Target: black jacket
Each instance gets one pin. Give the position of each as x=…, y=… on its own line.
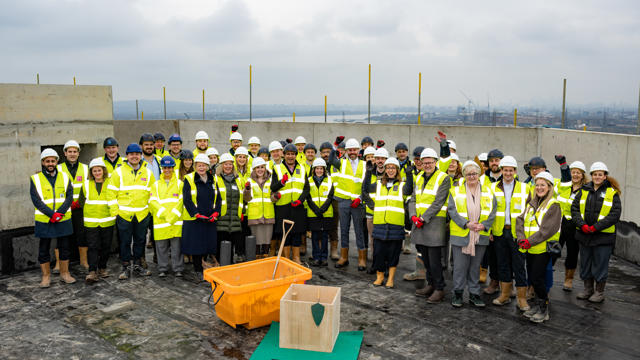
x=593, y=205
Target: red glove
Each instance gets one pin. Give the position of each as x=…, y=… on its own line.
x=241, y=217
x=416, y=220
x=296, y=203
x=592, y=229
x=56, y=217
x=524, y=244
x=234, y=128
x=379, y=144
x=202, y=217
x=339, y=139
x=355, y=203
x=214, y=217
x=277, y=195
x=289, y=140
x=585, y=229
x=75, y=205
x=247, y=185
x=285, y=177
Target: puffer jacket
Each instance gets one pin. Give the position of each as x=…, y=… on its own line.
x=591, y=213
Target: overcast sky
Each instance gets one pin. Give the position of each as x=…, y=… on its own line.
x=510, y=52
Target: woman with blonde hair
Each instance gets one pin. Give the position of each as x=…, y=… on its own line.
x=260, y=211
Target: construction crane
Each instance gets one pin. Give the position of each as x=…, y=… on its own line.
x=470, y=102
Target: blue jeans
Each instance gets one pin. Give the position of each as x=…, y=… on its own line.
x=594, y=262
x=132, y=231
x=319, y=243
x=346, y=214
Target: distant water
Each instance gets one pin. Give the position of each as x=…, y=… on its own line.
x=313, y=118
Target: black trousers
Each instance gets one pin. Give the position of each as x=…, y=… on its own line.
x=99, y=241
x=44, y=249
x=490, y=261
x=197, y=263
x=537, y=270
x=568, y=237
x=294, y=239
x=235, y=238
x=79, y=236
x=431, y=257
x=386, y=254
x=510, y=260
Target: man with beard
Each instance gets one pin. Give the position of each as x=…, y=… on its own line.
x=325, y=152
x=202, y=143
x=152, y=161
x=493, y=174
x=175, y=147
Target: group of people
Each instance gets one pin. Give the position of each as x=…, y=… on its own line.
x=476, y=216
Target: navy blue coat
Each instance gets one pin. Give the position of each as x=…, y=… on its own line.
x=199, y=237
x=49, y=230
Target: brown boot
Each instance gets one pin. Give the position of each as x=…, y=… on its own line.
x=272, y=248
x=92, y=277
x=303, y=246
x=103, y=273
x=379, y=278
x=296, y=255
x=598, y=295
x=392, y=275
x=425, y=291
x=505, y=294
x=530, y=293
x=82, y=251
x=344, y=258
x=568, y=279
x=46, y=275
x=56, y=269
x=334, y=251
x=588, y=290
x=286, y=252
x=492, y=288
x=523, y=305
x=362, y=260
x=436, y=297
x=65, y=276
x=483, y=276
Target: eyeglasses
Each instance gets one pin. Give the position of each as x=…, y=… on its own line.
x=471, y=175
x=428, y=162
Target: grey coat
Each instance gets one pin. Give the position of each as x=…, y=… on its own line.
x=462, y=222
x=434, y=231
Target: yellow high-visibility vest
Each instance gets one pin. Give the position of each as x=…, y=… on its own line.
x=318, y=195
x=128, y=192
x=516, y=207
x=426, y=193
x=112, y=168
x=292, y=190
x=223, y=194
x=565, y=197
x=459, y=194
x=532, y=221
x=52, y=196
x=349, y=185
x=96, y=206
x=166, y=206
x=260, y=204
x=604, y=210
x=81, y=175
x=389, y=204
x=194, y=195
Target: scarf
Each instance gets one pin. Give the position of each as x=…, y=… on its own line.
x=473, y=212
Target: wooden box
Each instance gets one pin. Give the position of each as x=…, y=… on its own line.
x=298, y=329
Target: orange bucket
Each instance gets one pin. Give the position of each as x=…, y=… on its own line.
x=244, y=293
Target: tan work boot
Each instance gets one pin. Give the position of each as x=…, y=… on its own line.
x=531, y=293
x=103, y=273
x=483, y=276
x=272, y=248
x=46, y=275
x=334, y=251
x=82, y=251
x=588, y=290
x=568, y=279
x=362, y=260
x=523, y=305
x=65, y=276
x=436, y=297
x=56, y=269
x=92, y=277
x=492, y=288
x=379, y=278
x=303, y=246
x=286, y=252
x=296, y=255
x=392, y=275
x=598, y=295
x=344, y=258
x=419, y=274
x=505, y=294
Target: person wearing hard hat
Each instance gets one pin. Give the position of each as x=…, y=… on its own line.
x=213, y=155
x=52, y=193
x=186, y=164
x=77, y=173
x=112, y=159
x=320, y=211
x=537, y=232
x=325, y=152
x=402, y=155
x=300, y=143
x=263, y=152
x=242, y=163
x=391, y=192
x=159, y=140
x=166, y=206
x=128, y=194
x=236, y=141
x=254, y=146
x=260, y=208
x=368, y=154
x=472, y=209
x=379, y=158
x=595, y=212
x=202, y=207
x=175, y=147
x=348, y=190
x=98, y=222
x=366, y=142
x=276, y=152
x=455, y=169
x=489, y=264
x=511, y=196
x=452, y=146
x=428, y=215
x=202, y=143
x=290, y=187
x=566, y=193
x=229, y=225
x=481, y=159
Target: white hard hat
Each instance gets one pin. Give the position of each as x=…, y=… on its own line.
x=455, y=156
x=545, y=175
x=225, y=157
x=508, y=161
x=352, y=144
x=428, y=153
x=71, y=143
x=96, y=162
x=275, y=145
x=392, y=161
x=258, y=162
x=254, y=140
x=319, y=162
x=202, y=135
x=598, y=166
x=381, y=152
x=235, y=136
x=48, y=152
x=201, y=158
x=578, y=165
x=452, y=144
x=241, y=150
x=212, y=151
x=470, y=163
x=483, y=156
x=369, y=151
x=300, y=140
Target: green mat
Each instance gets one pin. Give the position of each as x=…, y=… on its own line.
x=347, y=347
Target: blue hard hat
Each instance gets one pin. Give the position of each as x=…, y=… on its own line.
x=167, y=161
x=110, y=141
x=133, y=148
x=175, y=137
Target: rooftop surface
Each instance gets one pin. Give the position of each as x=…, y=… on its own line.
x=164, y=318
